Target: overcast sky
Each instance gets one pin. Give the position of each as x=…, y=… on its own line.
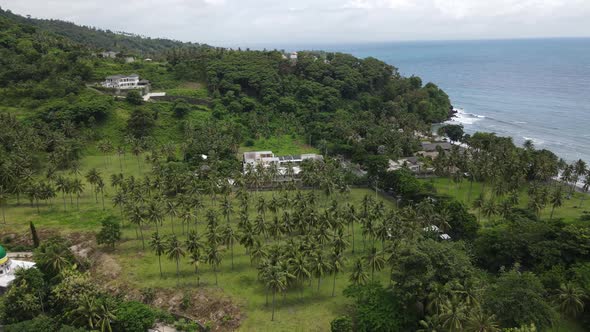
x=249, y=22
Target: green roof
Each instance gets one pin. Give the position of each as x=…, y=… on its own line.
x=2, y=252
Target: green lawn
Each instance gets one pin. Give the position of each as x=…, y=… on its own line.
x=280, y=146
x=311, y=311
x=570, y=211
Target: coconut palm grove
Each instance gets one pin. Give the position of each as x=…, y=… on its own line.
x=124, y=179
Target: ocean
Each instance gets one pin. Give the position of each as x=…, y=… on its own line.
x=537, y=89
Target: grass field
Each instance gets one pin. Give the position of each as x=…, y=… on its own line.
x=311, y=311
x=280, y=146
x=570, y=211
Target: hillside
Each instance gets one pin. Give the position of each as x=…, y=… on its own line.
x=98, y=39
x=140, y=212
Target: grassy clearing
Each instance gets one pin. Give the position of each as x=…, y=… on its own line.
x=188, y=92
x=570, y=211
x=280, y=145
x=305, y=309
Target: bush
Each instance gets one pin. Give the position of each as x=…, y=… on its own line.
x=38, y=324
x=180, y=108
x=134, y=317
x=134, y=98
x=341, y=324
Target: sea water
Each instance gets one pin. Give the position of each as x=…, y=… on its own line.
x=535, y=89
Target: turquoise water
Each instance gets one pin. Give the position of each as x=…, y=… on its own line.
x=527, y=89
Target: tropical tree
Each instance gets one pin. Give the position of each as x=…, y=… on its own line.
x=229, y=237
x=195, y=260
x=175, y=251
x=276, y=281
x=375, y=261
x=159, y=247
x=319, y=266
x=556, y=200
x=570, y=299
x=214, y=257
x=358, y=276
x=337, y=266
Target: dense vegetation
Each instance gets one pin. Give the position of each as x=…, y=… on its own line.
x=517, y=257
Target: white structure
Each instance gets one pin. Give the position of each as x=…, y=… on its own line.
x=109, y=54
x=267, y=158
x=8, y=267
x=412, y=163
x=125, y=82
x=129, y=59
x=293, y=56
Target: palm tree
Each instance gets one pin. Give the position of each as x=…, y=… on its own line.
x=214, y=258
x=478, y=204
x=175, y=252
x=195, y=260
x=489, y=208
x=556, y=200
x=585, y=188
x=570, y=299
x=105, y=315
x=375, y=261
x=337, y=265
x=299, y=268
x=61, y=184
x=78, y=189
x=154, y=213
x=229, y=237
x=276, y=281
x=453, y=314
x=87, y=312
x=479, y=321
x=258, y=252
x=136, y=217
x=358, y=276
x=171, y=209
x=226, y=208
x=319, y=266
x=159, y=247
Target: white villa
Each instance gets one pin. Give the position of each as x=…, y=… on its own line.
x=124, y=82
x=8, y=267
x=267, y=158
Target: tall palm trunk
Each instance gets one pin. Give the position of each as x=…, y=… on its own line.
x=160, y=264
x=177, y=272
x=215, y=270
x=319, y=281
x=142, y=240
x=334, y=285
x=232, y=253
x=63, y=195
x=273, y=306
x=353, y=236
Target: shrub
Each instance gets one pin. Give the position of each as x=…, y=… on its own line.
x=341, y=324
x=134, y=317
x=134, y=98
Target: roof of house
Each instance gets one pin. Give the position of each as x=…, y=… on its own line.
x=428, y=147
x=114, y=77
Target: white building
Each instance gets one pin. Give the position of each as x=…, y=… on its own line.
x=124, y=82
x=267, y=158
x=8, y=267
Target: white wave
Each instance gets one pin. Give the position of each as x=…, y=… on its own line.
x=465, y=118
x=535, y=141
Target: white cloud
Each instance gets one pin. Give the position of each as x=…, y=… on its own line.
x=320, y=21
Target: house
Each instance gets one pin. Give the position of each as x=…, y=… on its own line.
x=125, y=82
x=431, y=147
x=267, y=158
x=109, y=54
x=8, y=267
x=293, y=56
x=412, y=163
x=129, y=59
x=148, y=60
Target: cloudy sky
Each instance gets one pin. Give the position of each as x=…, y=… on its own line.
x=249, y=22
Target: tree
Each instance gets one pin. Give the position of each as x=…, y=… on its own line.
x=341, y=324
x=276, y=281
x=110, y=232
x=375, y=261
x=134, y=316
x=517, y=299
x=175, y=251
x=337, y=265
x=214, y=257
x=229, y=237
x=319, y=266
x=34, y=235
x=195, y=260
x=453, y=132
x=570, y=299
x=159, y=247
x=134, y=97
x=180, y=108
x=358, y=276
x=556, y=200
